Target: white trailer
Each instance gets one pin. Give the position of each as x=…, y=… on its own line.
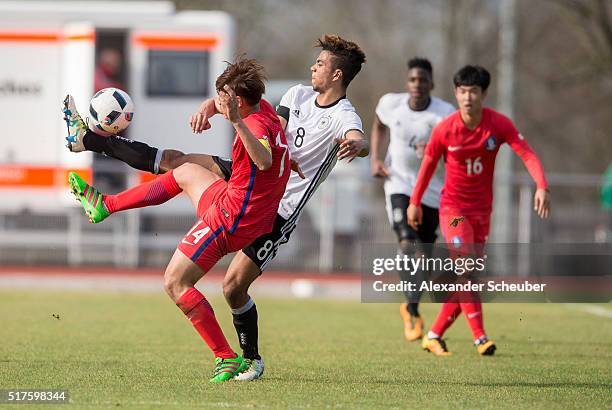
x=48, y=49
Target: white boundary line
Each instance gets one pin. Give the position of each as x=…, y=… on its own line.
x=591, y=309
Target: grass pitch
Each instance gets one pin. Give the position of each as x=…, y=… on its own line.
x=131, y=350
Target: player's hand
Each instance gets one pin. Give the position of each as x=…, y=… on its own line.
x=228, y=104
x=378, y=168
x=349, y=148
x=541, y=203
x=296, y=168
x=415, y=216
x=199, y=121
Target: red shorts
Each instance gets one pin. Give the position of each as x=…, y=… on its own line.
x=467, y=236
x=208, y=240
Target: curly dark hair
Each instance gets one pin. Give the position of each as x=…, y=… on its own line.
x=348, y=57
x=420, y=62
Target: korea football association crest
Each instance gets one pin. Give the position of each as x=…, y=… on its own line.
x=324, y=122
x=457, y=242
x=491, y=143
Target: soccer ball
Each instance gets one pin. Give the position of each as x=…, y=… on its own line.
x=110, y=112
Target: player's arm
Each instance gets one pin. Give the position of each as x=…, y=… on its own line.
x=258, y=149
x=379, y=140
x=433, y=152
x=282, y=109
x=353, y=145
x=283, y=115
x=541, y=200
x=283, y=122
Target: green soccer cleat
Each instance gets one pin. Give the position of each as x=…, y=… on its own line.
x=76, y=126
x=226, y=369
x=90, y=198
x=254, y=370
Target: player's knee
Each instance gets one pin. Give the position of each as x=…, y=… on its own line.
x=230, y=290
x=171, y=159
x=184, y=173
x=173, y=285
x=169, y=287
x=234, y=291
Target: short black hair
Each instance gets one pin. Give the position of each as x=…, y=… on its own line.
x=348, y=57
x=472, y=75
x=420, y=62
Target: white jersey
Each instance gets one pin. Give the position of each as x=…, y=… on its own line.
x=310, y=133
x=407, y=128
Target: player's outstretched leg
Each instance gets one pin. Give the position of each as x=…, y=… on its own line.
x=91, y=199
x=98, y=206
x=76, y=126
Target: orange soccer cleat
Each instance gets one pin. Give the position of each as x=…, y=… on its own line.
x=413, y=325
x=436, y=346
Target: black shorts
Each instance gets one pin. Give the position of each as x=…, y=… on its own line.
x=226, y=166
x=426, y=232
x=263, y=249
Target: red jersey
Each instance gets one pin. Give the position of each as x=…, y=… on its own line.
x=469, y=157
x=251, y=201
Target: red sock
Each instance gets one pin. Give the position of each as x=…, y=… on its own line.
x=154, y=192
x=448, y=313
x=473, y=315
x=195, y=306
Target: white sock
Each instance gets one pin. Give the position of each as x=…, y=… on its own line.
x=248, y=305
x=481, y=340
x=432, y=335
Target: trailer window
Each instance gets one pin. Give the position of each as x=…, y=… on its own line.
x=177, y=73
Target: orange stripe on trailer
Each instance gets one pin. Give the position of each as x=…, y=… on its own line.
x=167, y=42
x=80, y=37
x=29, y=37
x=43, y=37
x=18, y=176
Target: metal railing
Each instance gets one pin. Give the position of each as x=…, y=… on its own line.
x=337, y=221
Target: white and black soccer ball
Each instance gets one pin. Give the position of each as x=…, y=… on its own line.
x=111, y=110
